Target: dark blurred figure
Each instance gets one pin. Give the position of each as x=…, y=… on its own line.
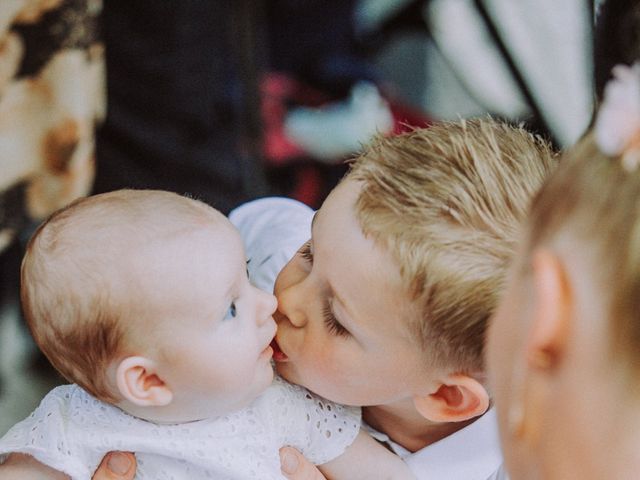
x=183, y=99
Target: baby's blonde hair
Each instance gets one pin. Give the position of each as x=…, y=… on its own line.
x=594, y=200
x=73, y=278
x=447, y=202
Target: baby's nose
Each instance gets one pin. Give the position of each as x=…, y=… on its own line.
x=267, y=304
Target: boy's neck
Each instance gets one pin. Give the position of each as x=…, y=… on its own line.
x=406, y=427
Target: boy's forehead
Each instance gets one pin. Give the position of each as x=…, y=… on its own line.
x=341, y=200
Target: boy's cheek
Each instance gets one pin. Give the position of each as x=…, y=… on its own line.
x=309, y=363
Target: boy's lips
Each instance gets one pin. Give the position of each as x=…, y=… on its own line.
x=278, y=355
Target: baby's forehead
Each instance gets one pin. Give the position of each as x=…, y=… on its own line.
x=108, y=240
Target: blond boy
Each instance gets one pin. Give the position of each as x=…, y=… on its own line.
x=142, y=299
x=386, y=305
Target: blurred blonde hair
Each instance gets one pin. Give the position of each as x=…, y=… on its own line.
x=447, y=202
x=74, y=290
x=596, y=201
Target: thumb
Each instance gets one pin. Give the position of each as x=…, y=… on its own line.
x=295, y=467
x=116, y=466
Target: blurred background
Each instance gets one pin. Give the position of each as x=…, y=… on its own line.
x=230, y=101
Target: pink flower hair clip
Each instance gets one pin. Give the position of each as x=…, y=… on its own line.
x=617, y=128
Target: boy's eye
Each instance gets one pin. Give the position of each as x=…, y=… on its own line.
x=332, y=323
x=232, y=311
x=305, y=252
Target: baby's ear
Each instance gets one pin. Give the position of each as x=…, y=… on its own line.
x=458, y=398
x=139, y=383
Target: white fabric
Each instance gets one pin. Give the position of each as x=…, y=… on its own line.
x=272, y=230
x=472, y=453
x=71, y=431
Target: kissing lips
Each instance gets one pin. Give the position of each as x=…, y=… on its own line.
x=278, y=355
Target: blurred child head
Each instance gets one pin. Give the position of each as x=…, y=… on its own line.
x=142, y=298
x=563, y=348
x=405, y=263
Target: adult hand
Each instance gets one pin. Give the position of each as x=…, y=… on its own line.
x=295, y=467
x=24, y=467
x=116, y=466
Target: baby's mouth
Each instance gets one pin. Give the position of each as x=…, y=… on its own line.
x=278, y=355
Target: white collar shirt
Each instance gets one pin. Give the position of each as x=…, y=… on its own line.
x=472, y=453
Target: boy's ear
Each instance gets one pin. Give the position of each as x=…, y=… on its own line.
x=458, y=398
x=551, y=317
x=139, y=383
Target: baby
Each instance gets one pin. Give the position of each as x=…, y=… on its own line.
x=141, y=298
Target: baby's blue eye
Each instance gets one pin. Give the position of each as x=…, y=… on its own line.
x=231, y=311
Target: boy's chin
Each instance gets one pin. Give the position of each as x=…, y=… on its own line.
x=287, y=371
x=282, y=370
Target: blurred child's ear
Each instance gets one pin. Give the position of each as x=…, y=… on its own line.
x=139, y=383
x=552, y=311
x=458, y=398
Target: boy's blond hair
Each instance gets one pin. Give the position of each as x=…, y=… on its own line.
x=74, y=290
x=447, y=202
x=596, y=202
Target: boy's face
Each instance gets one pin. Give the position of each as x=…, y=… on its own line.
x=343, y=317
x=210, y=328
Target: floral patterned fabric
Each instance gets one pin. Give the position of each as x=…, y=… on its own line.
x=52, y=93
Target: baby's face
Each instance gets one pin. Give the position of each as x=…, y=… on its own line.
x=209, y=328
x=343, y=314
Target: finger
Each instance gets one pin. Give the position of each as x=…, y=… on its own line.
x=116, y=466
x=25, y=467
x=295, y=467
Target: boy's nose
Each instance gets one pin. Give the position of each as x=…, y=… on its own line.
x=290, y=308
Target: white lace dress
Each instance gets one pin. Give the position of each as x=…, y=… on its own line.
x=71, y=431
